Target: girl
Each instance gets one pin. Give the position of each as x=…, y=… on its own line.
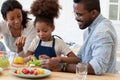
x=44, y=45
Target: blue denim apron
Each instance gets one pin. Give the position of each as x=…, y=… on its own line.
x=49, y=51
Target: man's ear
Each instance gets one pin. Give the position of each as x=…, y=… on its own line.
x=94, y=13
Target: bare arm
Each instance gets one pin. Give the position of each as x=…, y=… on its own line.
x=28, y=56
x=29, y=53
x=72, y=58
x=55, y=65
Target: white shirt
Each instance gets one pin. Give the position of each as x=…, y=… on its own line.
x=60, y=46
x=29, y=31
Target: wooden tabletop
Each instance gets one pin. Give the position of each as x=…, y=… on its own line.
x=5, y=75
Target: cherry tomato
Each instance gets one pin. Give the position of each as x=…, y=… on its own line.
x=31, y=71
x=25, y=71
x=35, y=72
x=15, y=71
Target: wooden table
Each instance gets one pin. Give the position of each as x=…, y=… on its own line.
x=5, y=75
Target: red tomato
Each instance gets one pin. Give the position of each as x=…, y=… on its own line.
x=35, y=72
x=31, y=71
x=25, y=71
x=15, y=71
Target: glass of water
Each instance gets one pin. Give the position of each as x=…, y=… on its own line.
x=81, y=71
x=10, y=56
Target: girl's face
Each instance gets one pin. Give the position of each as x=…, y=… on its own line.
x=44, y=31
x=14, y=18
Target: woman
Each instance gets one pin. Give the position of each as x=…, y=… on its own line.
x=15, y=25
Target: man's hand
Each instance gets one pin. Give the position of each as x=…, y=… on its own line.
x=52, y=64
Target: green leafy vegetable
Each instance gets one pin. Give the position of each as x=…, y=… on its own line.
x=34, y=62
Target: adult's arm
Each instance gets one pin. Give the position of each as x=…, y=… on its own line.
x=102, y=52
x=30, y=35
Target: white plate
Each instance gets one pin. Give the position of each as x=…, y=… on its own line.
x=47, y=73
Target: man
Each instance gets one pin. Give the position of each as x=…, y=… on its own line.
x=100, y=40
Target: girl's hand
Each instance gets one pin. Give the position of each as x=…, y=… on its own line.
x=28, y=58
x=44, y=57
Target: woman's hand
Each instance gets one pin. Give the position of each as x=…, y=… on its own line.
x=20, y=41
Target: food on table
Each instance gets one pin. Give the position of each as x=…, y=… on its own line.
x=31, y=71
x=3, y=62
x=24, y=36
x=18, y=60
x=25, y=71
x=17, y=71
x=34, y=62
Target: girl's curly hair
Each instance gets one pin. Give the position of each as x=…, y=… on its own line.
x=45, y=8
